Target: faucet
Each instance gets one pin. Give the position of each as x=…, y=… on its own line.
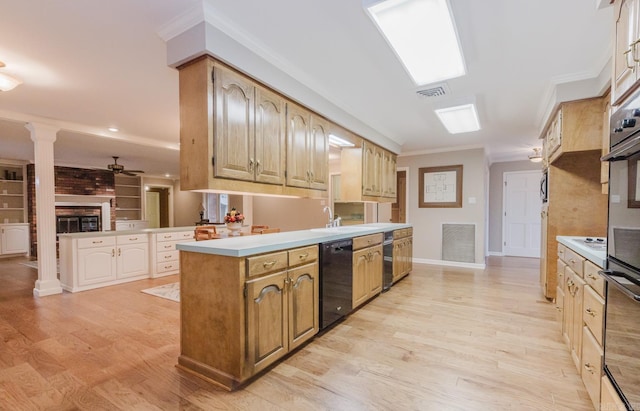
x=331, y=222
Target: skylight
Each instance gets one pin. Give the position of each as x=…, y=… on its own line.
x=423, y=35
x=459, y=119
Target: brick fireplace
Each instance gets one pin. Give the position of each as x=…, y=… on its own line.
x=79, y=192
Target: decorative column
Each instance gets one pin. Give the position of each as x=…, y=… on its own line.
x=43, y=137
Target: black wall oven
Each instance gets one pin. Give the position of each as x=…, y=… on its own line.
x=622, y=318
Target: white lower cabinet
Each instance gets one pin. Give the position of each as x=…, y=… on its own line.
x=14, y=239
x=132, y=256
x=165, y=256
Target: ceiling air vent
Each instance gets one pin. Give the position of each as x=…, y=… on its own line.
x=436, y=90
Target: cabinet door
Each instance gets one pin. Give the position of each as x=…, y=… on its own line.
x=591, y=366
x=560, y=308
x=389, y=179
x=298, y=130
x=15, y=240
x=625, y=49
x=133, y=260
x=544, y=220
x=319, y=153
x=267, y=320
x=96, y=265
x=234, y=125
x=408, y=255
x=270, y=137
x=375, y=270
x=578, y=298
x=360, y=283
x=304, y=295
x=567, y=315
x=398, y=259
x=371, y=169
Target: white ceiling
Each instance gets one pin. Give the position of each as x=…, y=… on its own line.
x=89, y=65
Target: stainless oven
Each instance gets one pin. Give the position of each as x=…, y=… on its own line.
x=622, y=318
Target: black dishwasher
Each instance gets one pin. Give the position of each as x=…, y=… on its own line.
x=336, y=281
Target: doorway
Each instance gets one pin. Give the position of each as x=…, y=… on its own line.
x=521, y=223
x=157, y=206
x=399, y=208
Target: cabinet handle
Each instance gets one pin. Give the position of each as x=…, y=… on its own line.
x=592, y=276
x=250, y=164
x=167, y=256
x=268, y=264
x=113, y=252
x=168, y=246
x=258, y=166
x=633, y=48
x=168, y=266
x=303, y=256
x=119, y=252
x=589, y=367
x=572, y=261
x=133, y=238
x=93, y=242
x=590, y=312
x=558, y=308
x=167, y=236
x=626, y=59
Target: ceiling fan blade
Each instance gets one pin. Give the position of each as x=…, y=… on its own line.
x=135, y=171
x=128, y=173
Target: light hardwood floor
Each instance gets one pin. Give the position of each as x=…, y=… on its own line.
x=441, y=339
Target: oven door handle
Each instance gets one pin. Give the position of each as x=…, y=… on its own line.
x=625, y=150
x=610, y=275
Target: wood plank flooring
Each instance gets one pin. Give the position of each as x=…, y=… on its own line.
x=442, y=339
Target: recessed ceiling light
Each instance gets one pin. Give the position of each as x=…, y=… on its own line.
x=167, y=175
x=113, y=129
x=459, y=119
x=423, y=35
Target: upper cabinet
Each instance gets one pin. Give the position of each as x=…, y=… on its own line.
x=368, y=173
x=576, y=126
x=307, y=149
x=249, y=129
x=626, y=61
x=233, y=134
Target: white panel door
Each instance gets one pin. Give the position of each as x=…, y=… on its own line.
x=521, y=214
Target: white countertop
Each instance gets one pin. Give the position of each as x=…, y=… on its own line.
x=243, y=246
x=90, y=234
x=597, y=255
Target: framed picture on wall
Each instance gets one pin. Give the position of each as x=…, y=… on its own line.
x=440, y=187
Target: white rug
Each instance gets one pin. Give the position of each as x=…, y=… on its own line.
x=169, y=291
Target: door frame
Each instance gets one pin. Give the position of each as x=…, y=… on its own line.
x=406, y=192
x=504, y=203
x=170, y=190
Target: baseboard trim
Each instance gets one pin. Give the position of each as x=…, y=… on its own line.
x=496, y=253
x=450, y=263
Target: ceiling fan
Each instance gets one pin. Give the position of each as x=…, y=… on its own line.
x=119, y=168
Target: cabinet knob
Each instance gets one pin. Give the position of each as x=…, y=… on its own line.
x=590, y=312
x=303, y=256
x=589, y=367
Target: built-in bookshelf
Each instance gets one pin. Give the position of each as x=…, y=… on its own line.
x=128, y=197
x=12, y=194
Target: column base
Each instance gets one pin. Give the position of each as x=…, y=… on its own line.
x=44, y=288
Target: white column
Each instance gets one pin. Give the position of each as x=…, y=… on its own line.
x=43, y=137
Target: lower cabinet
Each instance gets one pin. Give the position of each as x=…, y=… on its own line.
x=14, y=239
x=367, y=268
x=165, y=258
x=609, y=398
x=402, y=253
x=282, y=313
x=247, y=312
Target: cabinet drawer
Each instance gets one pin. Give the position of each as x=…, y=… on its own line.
x=593, y=313
x=168, y=256
x=367, y=241
x=185, y=235
x=303, y=255
x=574, y=260
x=132, y=239
x=591, y=366
x=592, y=277
x=170, y=236
x=166, y=266
x=166, y=245
x=96, y=242
x=560, y=271
x=561, y=250
x=267, y=263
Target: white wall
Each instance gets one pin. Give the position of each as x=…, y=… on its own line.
x=427, y=222
x=186, y=206
x=289, y=214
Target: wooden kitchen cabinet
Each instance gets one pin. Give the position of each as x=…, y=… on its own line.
x=402, y=253
x=591, y=366
x=371, y=173
x=259, y=308
x=249, y=129
x=367, y=268
x=626, y=52
x=609, y=398
x=307, y=149
x=233, y=136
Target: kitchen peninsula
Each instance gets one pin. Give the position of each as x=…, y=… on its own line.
x=245, y=302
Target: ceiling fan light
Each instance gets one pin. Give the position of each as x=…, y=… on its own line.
x=8, y=83
x=536, y=157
